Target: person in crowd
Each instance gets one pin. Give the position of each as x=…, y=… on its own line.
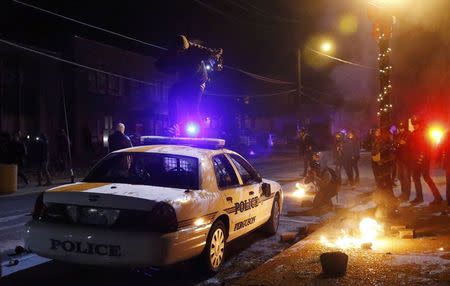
x=446, y=164
x=19, y=154
x=118, y=140
x=326, y=181
x=353, y=155
x=338, y=154
x=42, y=157
x=401, y=141
x=376, y=156
x=420, y=153
x=305, y=149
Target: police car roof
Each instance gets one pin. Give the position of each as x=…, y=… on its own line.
x=192, y=147
x=205, y=143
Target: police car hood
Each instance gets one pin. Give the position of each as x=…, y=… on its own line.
x=112, y=195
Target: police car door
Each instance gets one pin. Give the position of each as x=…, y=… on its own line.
x=232, y=194
x=257, y=209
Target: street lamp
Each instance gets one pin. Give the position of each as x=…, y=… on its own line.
x=326, y=47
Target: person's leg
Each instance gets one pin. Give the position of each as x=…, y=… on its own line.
x=338, y=171
x=305, y=164
x=21, y=175
x=447, y=175
x=427, y=178
x=349, y=171
x=355, y=169
x=401, y=172
x=416, y=172
x=39, y=173
x=46, y=173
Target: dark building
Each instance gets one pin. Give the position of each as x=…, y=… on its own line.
x=30, y=92
x=100, y=100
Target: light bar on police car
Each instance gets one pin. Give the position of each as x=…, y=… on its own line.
x=208, y=143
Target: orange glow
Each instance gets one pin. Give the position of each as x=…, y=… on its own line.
x=369, y=232
x=436, y=133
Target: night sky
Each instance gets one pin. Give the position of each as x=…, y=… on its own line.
x=262, y=37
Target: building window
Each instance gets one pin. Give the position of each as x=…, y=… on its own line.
x=101, y=83
x=114, y=85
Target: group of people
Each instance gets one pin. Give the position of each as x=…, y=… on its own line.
x=33, y=151
x=409, y=155
x=346, y=154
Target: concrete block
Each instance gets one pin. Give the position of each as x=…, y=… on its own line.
x=288, y=236
x=407, y=233
x=397, y=227
x=303, y=230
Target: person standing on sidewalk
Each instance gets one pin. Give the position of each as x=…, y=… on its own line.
x=118, y=140
x=42, y=160
x=401, y=141
x=305, y=149
x=420, y=153
x=446, y=164
x=20, y=152
x=339, y=155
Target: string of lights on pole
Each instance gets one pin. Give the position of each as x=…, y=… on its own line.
x=385, y=105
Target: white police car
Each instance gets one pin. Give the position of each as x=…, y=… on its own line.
x=155, y=205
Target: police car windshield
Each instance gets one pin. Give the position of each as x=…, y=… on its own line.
x=154, y=169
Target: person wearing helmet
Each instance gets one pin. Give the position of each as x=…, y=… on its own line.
x=420, y=162
x=401, y=141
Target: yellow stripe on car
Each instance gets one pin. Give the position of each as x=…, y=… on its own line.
x=78, y=187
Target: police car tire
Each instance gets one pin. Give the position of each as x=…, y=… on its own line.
x=208, y=267
x=271, y=226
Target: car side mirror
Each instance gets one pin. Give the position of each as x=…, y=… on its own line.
x=266, y=189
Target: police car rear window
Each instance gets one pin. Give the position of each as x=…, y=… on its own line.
x=154, y=169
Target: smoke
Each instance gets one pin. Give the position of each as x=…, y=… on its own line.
x=420, y=60
x=358, y=86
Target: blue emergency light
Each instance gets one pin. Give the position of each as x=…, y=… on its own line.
x=206, y=143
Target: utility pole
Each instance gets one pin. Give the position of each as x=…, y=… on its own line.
x=299, y=76
x=382, y=28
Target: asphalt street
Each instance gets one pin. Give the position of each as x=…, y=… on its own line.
x=243, y=255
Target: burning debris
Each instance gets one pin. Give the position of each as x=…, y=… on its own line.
x=367, y=236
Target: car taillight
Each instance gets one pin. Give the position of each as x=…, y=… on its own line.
x=162, y=218
x=39, y=207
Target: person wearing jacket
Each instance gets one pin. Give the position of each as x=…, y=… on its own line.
x=402, y=143
x=118, y=140
x=420, y=153
x=446, y=165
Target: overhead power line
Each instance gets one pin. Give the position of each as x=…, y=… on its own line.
x=342, y=61
x=252, y=95
x=22, y=47
x=264, y=13
x=89, y=25
x=255, y=76
x=260, y=77
x=74, y=63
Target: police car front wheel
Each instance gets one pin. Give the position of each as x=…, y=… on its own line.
x=214, y=253
x=271, y=225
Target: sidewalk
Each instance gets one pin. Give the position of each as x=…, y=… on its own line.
x=32, y=187
x=424, y=260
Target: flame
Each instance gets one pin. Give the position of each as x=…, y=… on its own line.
x=369, y=231
x=300, y=191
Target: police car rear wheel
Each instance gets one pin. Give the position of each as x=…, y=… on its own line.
x=271, y=225
x=214, y=252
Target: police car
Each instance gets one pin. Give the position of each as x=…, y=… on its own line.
x=155, y=205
